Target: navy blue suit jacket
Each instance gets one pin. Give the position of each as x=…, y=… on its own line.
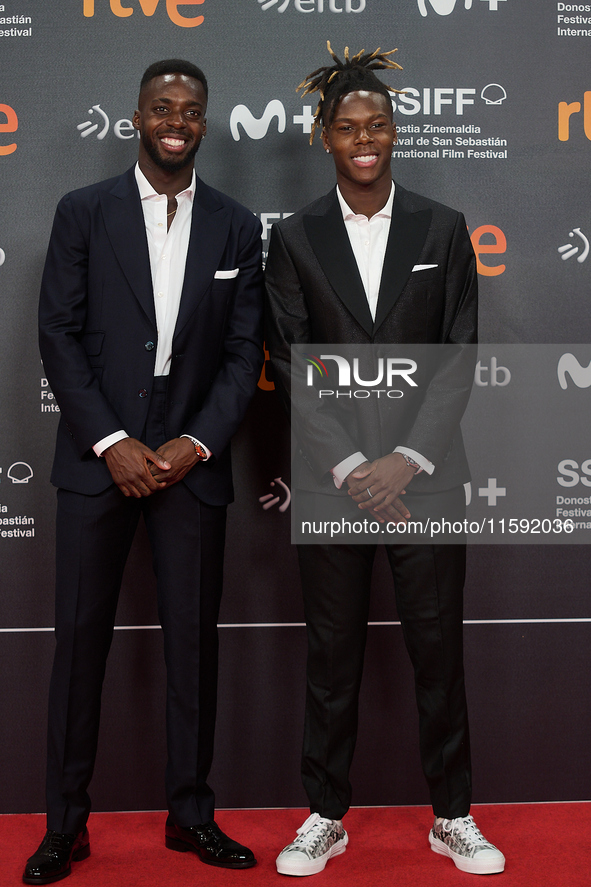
x=98, y=332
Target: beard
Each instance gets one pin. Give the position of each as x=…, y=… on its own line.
x=172, y=163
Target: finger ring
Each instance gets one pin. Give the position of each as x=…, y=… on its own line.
x=369, y=492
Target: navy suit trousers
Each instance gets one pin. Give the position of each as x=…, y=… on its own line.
x=94, y=535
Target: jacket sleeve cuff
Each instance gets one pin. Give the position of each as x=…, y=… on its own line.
x=341, y=471
x=107, y=442
x=200, y=443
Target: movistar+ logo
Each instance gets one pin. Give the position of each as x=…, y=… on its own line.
x=580, y=375
x=445, y=7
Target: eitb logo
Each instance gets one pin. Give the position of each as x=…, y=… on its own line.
x=307, y=6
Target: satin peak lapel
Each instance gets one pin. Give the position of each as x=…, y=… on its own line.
x=408, y=232
x=329, y=240
x=126, y=229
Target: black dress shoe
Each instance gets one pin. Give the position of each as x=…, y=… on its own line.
x=52, y=860
x=210, y=844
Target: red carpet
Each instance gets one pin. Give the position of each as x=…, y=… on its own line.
x=546, y=845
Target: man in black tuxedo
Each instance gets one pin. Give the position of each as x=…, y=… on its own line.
x=371, y=263
x=150, y=334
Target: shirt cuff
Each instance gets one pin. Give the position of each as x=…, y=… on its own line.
x=341, y=471
x=416, y=457
x=196, y=441
x=107, y=442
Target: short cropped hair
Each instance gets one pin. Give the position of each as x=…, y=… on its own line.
x=173, y=66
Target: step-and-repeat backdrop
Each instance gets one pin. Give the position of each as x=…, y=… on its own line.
x=496, y=121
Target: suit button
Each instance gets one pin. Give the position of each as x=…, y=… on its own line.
x=149, y=346
x=142, y=392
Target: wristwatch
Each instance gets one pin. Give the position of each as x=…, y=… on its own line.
x=411, y=463
x=199, y=450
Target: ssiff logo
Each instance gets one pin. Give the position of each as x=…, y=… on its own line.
x=445, y=7
x=148, y=8
x=20, y=473
x=580, y=375
x=570, y=249
x=11, y=125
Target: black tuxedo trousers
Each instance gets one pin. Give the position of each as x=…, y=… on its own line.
x=428, y=584
x=94, y=535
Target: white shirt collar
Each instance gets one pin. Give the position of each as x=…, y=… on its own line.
x=385, y=212
x=146, y=190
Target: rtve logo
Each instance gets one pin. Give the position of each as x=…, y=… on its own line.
x=11, y=125
x=445, y=7
x=496, y=243
x=314, y=5
x=566, y=110
x=148, y=7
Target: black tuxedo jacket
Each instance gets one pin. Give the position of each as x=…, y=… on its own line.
x=315, y=295
x=98, y=331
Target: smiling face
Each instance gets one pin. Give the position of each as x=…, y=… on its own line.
x=171, y=121
x=360, y=138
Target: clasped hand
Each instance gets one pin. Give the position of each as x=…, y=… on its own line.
x=386, y=480
x=139, y=471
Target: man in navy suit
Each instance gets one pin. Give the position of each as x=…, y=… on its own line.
x=150, y=334
x=373, y=264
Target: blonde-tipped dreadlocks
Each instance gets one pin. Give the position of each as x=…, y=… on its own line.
x=335, y=81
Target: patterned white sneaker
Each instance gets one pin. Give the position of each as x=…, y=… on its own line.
x=462, y=841
x=317, y=841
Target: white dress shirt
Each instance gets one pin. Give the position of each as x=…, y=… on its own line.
x=168, y=249
x=368, y=239
x=168, y=257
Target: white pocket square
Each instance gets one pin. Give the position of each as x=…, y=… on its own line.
x=423, y=267
x=225, y=275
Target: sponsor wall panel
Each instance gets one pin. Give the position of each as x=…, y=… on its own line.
x=490, y=70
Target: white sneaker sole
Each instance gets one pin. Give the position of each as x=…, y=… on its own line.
x=490, y=866
x=313, y=866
